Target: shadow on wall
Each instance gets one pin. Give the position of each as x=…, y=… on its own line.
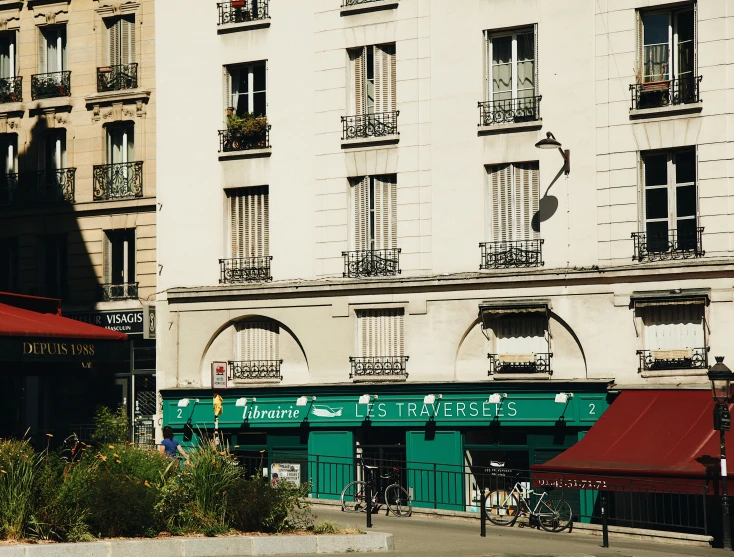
x=547, y=206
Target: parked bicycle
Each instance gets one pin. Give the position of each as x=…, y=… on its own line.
x=73, y=445
x=396, y=497
x=504, y=508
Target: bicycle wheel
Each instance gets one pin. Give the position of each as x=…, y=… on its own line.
x=398, y=500
x=502, y=508
x=353, y=497
x=554, y=515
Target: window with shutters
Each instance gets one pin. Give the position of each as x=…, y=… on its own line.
x=372, y=98
x=374, y=227
x=666, y=68
x=669, y=207
x=52, y=265
x=257, y=351
x=118, y=251
x=52, y=79
x=121, y=71
x=511, y=77
x=673, y=334
x=519, y=340
x=379, y=344
x=513, y=225
x=249, y=236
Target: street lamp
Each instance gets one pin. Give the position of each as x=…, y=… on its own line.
x=550, y=142
x=720, y=377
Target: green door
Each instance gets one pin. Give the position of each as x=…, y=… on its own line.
x=330, y=462
x=435, y=469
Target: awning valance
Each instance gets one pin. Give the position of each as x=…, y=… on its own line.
x=498, y=308
x=670, y=297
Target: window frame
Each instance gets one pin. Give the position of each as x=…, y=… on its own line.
x=127, y=147
x=492, y=35
x=12, y=35
x=124, y=239
x=359, y=330
x=673, y=42
x=388, y=212
x=264, y=225
x=232, y=74
x=517, y=208
x=62, y=36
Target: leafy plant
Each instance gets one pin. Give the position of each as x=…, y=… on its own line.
x=256, y=506
x=109, y=426
x=19, y=465
x=326, y=527
x=247, y=125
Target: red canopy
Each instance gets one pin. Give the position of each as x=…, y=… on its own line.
x=30, y=316
x=646, y=439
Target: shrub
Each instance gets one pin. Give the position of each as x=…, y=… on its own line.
x=326, y=527
x=248, y=124
x=256, y=506
x=19, y=465
x=109, y=426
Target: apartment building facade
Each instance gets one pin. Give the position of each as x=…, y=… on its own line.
x=77, y=192
x=384, y=250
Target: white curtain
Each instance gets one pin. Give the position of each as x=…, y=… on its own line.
x=673, y=327
x=521, y=334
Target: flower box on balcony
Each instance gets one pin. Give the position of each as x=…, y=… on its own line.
x=650, y=86
x=672, y=354
x=238, y=3
x=517, y=358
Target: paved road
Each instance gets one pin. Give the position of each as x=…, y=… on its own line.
x=426, y=536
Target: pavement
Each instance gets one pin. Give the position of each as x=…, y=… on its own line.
x=428, y=536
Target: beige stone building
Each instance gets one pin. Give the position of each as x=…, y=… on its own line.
x=78, y=173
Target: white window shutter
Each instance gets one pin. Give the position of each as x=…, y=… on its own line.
x=526, y=200
x=502, y=206
x=381, y=333
x=258, y=340
x=487, y=67
x=127, y=32
x=106, y=258
x=249, y=221
x=41, y=52
x=227, y=87
x=357, y=59
x=385, y=76
x=639, y=42
x=113, y=40
x=385, y=212
x=361, y=210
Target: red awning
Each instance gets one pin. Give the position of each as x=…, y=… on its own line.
x=29, y=316
x=646, y=439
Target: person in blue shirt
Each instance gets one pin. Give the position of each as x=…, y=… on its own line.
x=169, y=446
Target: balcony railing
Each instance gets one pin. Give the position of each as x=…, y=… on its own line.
x=11, y=89
x=347, y=3
x=509, y=111
x=232, y=140
x=385, y=367
x=250, y=370
x=363, y=126
x=687, y=358
x=50, y=85
x=656, y=94
x=122, y=291
x=28, y=189
x=669, y=244
x=520, y=363
x=371, y=263
x=242, y=11
x=245, y=269
x=515, y=253
x=118, y=180
x=117, y=78
x=8, y=189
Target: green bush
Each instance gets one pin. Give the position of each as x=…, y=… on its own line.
x=256, y=506
x=111, y=427
x=326, y=527
x=247, y=125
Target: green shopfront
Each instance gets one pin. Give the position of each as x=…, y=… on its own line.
x=439, y=432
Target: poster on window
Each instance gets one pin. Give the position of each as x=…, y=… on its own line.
x=285, y=471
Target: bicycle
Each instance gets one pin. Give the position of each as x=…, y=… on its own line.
x=503, y=509
x=73, y=445
x=396, y=497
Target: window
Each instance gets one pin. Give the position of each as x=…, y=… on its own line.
x=670, y=201
x=258, y=340
x=511, y=60
x=245, y=88
x=380, y=333
x=249, y=219
x=52, y=265
x=52, y=50
x=512, y=200
x=519, y=337
x=668, y=45
x=8, y=59
x=55, y=149
x=8, y=153
x=120, y=143
x=374, y=73
x=120, y=40
x=119, y=256
x=374, y=206
x=8, y=264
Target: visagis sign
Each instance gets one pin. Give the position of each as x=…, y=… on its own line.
x=129, y=322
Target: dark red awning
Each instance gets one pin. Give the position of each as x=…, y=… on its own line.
x=656, y=439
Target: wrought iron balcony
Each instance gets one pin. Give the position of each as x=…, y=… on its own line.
x=8, y=189
x=122, y=291
x=509, y=111
x=520, y=363
x=11, y=89
x=233, y=140
x=687, y=358
x=347, y=3
x=28, y=189
x=515, y=253
x=363, y=126
x=50, y=85
x=249, y=370
x=669, y=244
x=371, y=263
x=245, y=269
x=242, y=11
x=117, y=78
x=379, y=367
x=656, y=94
x=118, y=180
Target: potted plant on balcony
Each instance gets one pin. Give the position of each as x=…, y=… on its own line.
x=238, y=3
x=247, y=131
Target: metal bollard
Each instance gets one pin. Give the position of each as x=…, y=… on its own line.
x=368, y=494
x=604, y=522
x=483, y=514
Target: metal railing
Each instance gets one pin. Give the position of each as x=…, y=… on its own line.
x=120, y=291
x=245, y=269
x=363, y=126
x=347, y=3
x=656, y=94
x=27, y=189
x=688, y=358
x=532, y=363
x=669, y=244
x=371, y=263
x=233, y=140
x=8, y=189
x=249, y=370
x=50, y=85
x=379, y=367
x=11, y=89
x=508, y=111
x=117, y=78
x=118, y=180
x=515, y=253
x=242, y=11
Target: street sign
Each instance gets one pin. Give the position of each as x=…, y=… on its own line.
x=219, y=375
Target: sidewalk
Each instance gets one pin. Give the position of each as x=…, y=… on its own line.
x=420, y=536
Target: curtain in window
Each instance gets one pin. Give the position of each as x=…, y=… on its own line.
x=258, y=340
x=673, y=327
x=249, y=219
x=525, y=65
x=656, y=43
x=380, y=333
x=521, y=335
x=502, y=68
x=7, y=56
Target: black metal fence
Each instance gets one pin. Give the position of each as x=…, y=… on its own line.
x=371, y=263
x=235, y=140
x=378, y=367
x=509, y=111
x=668, y=244
x=117, y=78
x=242, y=11
x=661, y=360
x=254, y=370
x=11, y=89
x=118, y=180
x=119, y=291
x=49, y=85
x=532, y=363
x=511, y=253
x=364, y=126
x=245, y=269
x=657, y=94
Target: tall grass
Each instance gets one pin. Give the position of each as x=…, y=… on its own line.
x=19, y=464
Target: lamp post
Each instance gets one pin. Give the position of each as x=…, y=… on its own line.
x=550, y=142
x=720, y=377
